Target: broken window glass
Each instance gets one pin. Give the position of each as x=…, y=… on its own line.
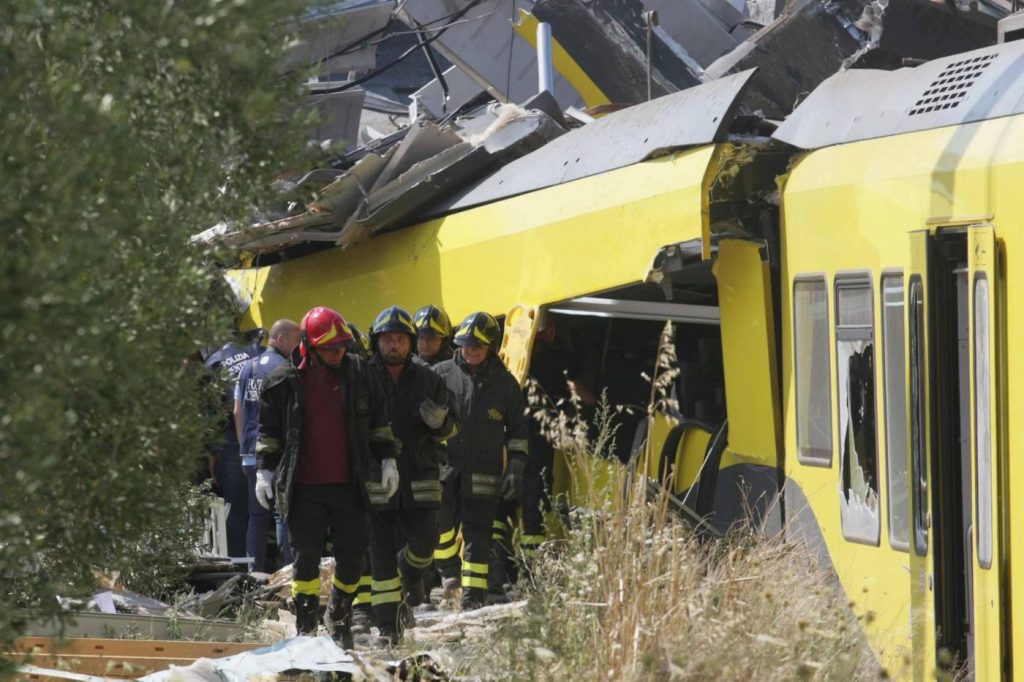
x=813, y=376
x=895, y=411
x=857, y=428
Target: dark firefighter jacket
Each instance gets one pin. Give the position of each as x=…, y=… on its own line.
x=421, y=451
x=444, y=354
x=492, y=416
x=279, y=444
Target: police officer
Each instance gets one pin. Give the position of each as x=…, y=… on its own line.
x=224, y=366
x=491, y=412
x=419, y=406
x=284, y=337
x=323, y=430
x=435, y=331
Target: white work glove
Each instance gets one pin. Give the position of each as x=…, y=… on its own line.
x=389, y=476
x=264, y=487
x=433, y=414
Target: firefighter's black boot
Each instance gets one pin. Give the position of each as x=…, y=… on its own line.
x=339, y=618
x=307, y=607
x=362, y=618
x=473, y=598
x=412, y=581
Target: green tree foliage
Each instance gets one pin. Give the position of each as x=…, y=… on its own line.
x=127, y=127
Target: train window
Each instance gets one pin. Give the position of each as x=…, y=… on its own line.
x=895, y=411
x=918, y=469
x=983, y=422
x=813, y=377
x=857, y=428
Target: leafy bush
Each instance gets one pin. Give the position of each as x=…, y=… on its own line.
x=127, y=128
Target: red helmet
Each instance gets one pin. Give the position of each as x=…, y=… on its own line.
x=321, y=328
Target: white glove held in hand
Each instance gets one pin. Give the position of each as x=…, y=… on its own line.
x=432, y=414
x=389, y=476
x=264, y=487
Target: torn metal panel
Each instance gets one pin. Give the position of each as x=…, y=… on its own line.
x=430, y=102
x=439, y=176
x=338, y=113
x=337, y=202
x=608, y=41
x=331, y=29
x=861, y=104
x=423, y=141
x=700, y=115
x=485, y=46
x=816, y=39
x=703, y=29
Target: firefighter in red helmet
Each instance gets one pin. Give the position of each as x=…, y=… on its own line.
x=323, y=428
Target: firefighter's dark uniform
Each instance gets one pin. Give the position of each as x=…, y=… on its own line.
x=412, y=513
x=491, y=412
x=309, y=509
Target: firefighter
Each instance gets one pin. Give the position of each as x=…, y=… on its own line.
x=491, y=412
x=433, y=345
x=362, y=605
x=323, y=430
x=360, y=342
x=435, y=331
x=405, y=526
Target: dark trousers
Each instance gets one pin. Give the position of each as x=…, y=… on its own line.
x=259, y=525
x=536, y=492
x=233, y=487
x=418, y=529
x=316, y=510
x=446, y=556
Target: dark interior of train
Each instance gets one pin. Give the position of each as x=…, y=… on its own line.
x=616, y=352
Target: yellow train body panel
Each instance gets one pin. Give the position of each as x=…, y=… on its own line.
x=557, y=243
x=851, y=208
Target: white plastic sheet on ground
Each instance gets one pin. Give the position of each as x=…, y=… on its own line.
x=299, y=653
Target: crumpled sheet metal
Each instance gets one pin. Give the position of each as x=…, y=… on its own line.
x=815, y=39
x=699, y=115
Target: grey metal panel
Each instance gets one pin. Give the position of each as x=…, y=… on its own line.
x=485, y=45
x=324, y=31
x=861, y=104
x=640, y=310
x=700, y=115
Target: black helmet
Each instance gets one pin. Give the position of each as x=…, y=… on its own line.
x=478, y=329
x=393, y=319
x=432, y=321
x=360, y=342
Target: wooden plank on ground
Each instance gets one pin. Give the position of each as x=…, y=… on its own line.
x=120, y=658
x=132, y=647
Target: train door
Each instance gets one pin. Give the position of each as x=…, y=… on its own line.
x=984, y=549
x=954, y=468
x=921, y=577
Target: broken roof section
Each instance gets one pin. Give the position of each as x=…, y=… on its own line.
x=444, y=161
x=861, y=104
x=814, y=39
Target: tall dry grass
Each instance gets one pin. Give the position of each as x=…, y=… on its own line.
x=631, y=592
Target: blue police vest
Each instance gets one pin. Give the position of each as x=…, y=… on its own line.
x=253, y=374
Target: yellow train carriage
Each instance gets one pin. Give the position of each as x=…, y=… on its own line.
x=898, y=236
x=613, y=252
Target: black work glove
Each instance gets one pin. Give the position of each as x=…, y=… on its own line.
x=512, y=484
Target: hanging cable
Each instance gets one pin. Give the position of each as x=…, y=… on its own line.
x=394, y=62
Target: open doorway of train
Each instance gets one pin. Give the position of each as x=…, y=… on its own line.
x=617, y=343
x=955, y=482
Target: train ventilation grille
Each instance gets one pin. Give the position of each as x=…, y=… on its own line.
x=952, y=85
